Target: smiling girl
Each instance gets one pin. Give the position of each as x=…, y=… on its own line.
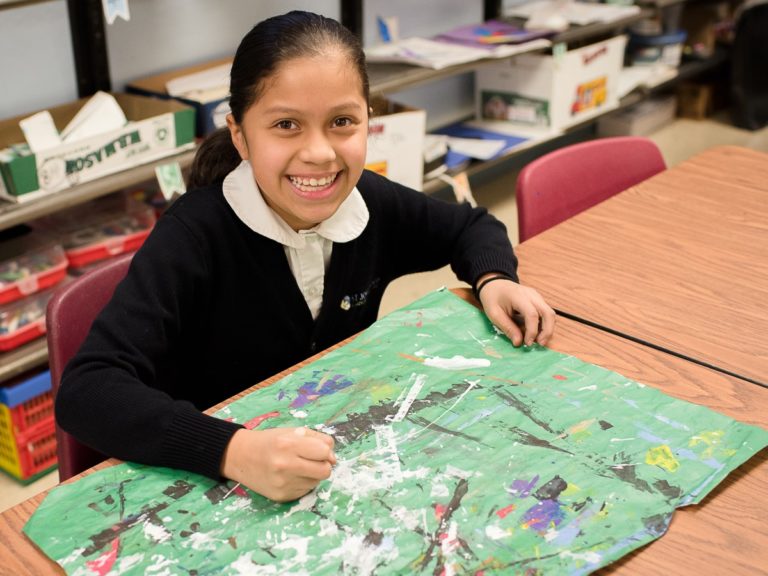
x=283, y=247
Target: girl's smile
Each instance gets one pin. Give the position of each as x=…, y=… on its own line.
x=315, y=187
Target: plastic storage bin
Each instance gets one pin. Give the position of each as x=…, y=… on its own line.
x=27, y=428
x=29, y=264
x=23, y=320
x=109, y=236
x=657, y=49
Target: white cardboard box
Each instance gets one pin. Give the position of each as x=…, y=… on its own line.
x=552, y=91
x=396, y=142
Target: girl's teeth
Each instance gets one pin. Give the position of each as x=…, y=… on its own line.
x=313, y=181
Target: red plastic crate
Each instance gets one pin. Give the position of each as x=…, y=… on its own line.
x=36, y=451
x=27, y=428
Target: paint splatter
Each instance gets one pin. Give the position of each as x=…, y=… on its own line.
x=542, y=515
x=103, y=564
x=522, y=488
x=502, y=513
x=254, y=422
x=314, y=389
x=662, y=456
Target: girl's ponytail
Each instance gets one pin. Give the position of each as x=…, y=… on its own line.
x=215, y=158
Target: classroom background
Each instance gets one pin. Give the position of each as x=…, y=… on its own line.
x=56, y=51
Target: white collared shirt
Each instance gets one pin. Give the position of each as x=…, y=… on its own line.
x=308, y=251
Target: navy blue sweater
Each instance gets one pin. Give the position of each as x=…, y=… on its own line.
x=209, y=308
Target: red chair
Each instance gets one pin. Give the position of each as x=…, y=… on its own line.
x=569, y=180
x=70, y=313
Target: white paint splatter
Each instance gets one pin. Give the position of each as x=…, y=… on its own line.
x=413, y=393
x=590, y=557
x=160, y=565
x=299, y=545
x=472, y=384
x=244, y=566
x=495, y=532
x=457, y=363
x=621, y=439
x=126, y=563
x=202, y=541
x=439, y=490
x=408, y=518
x=298, y=413
x=327, y=527
x=155, y=533
x=304, y=504
x=592, y=387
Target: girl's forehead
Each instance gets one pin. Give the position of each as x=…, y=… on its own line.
x=316, y=75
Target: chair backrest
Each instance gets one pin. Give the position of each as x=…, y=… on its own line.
x=70, y=313
x=567, y=181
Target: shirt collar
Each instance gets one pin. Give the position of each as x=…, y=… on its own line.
x=244, y=197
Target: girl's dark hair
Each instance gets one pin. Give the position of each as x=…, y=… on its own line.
x=270, y=43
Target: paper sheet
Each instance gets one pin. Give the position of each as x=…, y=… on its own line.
x=457, y=454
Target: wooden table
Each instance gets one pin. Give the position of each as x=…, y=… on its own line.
x=679, y=261
x=726, y=534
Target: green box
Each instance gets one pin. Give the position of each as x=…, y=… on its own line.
x=155, y=128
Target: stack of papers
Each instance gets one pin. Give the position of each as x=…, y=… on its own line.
x=580, y=13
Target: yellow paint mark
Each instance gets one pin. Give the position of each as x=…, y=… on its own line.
x=662, y=456
x=571, y=489
x=381, y=391
x=710, y=439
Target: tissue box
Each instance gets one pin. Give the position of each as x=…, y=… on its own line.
x=211, y=104
x=552, y=92
x=156, y=128
x=396, y=142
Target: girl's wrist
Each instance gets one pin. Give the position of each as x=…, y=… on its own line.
x=486, y=279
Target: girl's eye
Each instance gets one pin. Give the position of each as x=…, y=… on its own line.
x=342, y=122
x=286, y=125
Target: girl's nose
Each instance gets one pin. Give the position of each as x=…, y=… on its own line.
x=317, y=149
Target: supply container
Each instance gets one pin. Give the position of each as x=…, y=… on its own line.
x=645, y=50
x=29, y=264
x=27, y=428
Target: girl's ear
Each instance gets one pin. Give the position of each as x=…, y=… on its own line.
x=238, y=138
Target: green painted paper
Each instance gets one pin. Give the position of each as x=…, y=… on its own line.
x=458, y=454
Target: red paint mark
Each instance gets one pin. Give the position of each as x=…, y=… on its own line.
x=253, y=422
x=240, y=491
x=103, y=564
x=439, y=511
x=409, y=357
x=442, y=536
x=504, y=511
x=559, y=377
x=479, y=573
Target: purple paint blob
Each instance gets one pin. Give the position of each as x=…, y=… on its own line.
x=314, y=389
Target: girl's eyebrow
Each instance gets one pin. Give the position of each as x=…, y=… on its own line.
x=346, y=106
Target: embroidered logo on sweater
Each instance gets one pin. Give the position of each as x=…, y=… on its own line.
x=359, y=299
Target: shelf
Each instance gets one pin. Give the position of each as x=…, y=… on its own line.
x=12, y=214
x=26, y=357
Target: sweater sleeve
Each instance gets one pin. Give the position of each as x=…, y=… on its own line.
x=425, y=233
x=113, y=395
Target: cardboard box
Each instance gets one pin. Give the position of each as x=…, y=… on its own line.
x=694, y=100
x=638, y=120
x=211, y=105
x=156, y=128
x=552, y=92
x=396, y=142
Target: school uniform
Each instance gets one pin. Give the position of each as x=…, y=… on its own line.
x=223, y=294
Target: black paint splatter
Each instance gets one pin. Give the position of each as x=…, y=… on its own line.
x=552, y=489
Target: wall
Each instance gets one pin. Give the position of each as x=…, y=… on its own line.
x=165, y=34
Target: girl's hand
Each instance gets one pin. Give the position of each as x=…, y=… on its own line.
x=281, y=464
x=503, y=299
